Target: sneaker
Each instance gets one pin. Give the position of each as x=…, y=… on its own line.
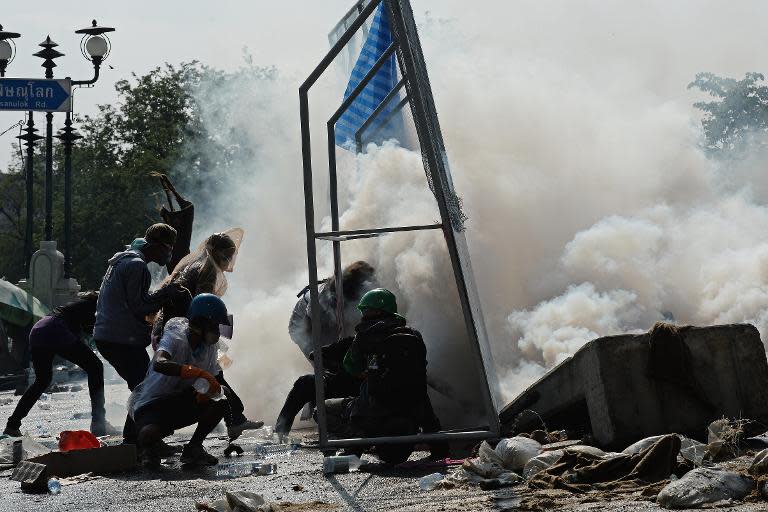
x=104, y=428
x=11, y=431
x=195, y=454
x=235, y=431
x=150, y=459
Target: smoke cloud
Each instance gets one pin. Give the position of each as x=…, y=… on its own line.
x=575, y=148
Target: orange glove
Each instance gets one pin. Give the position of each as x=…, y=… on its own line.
x=193, y=372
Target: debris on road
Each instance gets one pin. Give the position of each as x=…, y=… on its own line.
x=705, y=486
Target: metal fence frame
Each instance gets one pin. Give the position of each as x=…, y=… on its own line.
x=407, y=48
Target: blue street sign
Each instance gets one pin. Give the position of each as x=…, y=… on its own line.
x=36, y=94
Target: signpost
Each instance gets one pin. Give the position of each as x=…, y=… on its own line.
x=35, y=95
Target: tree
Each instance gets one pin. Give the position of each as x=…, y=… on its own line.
x=114, y=197
x=737, y=120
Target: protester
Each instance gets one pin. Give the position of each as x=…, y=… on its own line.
x=167, y=400
x=338, y=384
x=61, y=334
x=121, y=331
x=203, y=272
x=392, y=358
x=357, y=278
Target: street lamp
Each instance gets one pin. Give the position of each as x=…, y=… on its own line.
x=7, y=49
x=95, y=47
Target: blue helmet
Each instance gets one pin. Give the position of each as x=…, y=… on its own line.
x=209, y=306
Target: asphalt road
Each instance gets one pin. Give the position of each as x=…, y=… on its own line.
x=298, y=485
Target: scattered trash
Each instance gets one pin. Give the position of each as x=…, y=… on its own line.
x=580, y=472
x=240, y=469
x=75, y=388
x=759, y=466
x=705, y=486
x=298, y=488
x=515, y=452
x=541, y=462
x=724, y=437
x=44, y=406
x=341, y=464
x=33, y=476
x=15, y=450
x=81, y=416
x=590, y=450
x=98, y=461
x=77, y=440
x=6, y=400
x=268, y=451
x=690, y=449
x=431, y=482
x=54, y=486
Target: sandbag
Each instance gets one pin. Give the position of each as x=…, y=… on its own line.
x=541, y=462
x=690, y=449
x=515, y=452
x=583, y=448
x=704, y=486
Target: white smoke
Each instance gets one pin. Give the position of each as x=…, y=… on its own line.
x=574, y=146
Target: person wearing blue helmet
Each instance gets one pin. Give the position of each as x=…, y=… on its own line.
x=180, y=388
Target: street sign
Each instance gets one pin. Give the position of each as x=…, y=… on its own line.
x=36, y=94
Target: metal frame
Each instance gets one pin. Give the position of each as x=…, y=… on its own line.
x=419, y=96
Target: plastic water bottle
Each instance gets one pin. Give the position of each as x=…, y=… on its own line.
x=241, y=469
x=202, y=386
x=268, y=451
x=341, y=464
x=430, y=482
x=54, y=486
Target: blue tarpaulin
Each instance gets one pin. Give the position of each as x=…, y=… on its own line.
x=379, y=39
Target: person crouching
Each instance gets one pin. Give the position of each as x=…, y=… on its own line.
x=167, y=400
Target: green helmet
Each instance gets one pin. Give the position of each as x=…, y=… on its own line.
x=379, y=298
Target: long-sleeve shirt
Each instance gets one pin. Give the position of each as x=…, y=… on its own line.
x=125, y=301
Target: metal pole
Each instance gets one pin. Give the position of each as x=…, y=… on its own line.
x=49, y=176
x=309, y=213
x=334, y=193
x=68, y=138
x=30, y=197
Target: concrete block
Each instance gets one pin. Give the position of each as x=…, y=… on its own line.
x=606, y=388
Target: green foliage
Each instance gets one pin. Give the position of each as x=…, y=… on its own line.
x=737, y=120
x=149, y=129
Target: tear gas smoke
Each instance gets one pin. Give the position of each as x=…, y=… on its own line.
x=574, y=146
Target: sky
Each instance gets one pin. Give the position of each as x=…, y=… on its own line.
x=293, y=36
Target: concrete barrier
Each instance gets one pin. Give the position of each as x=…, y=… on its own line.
x=608, y=389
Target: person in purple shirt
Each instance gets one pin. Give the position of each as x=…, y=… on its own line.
x=61, y=334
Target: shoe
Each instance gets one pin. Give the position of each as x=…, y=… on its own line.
x=165, y=450
x=195, y=454
x=104, y=428
x=235, y=431
x=13, y=432
x=150, y=459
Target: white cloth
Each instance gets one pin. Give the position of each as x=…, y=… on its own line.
x=175, y=341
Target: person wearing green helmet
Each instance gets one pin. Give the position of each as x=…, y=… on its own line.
x=392, y=358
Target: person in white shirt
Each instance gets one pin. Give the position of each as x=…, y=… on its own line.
x=173, y=394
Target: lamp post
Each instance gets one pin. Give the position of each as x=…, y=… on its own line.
x=7, y=49
x=95, y=47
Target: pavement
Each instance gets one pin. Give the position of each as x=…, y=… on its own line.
x=298, y=485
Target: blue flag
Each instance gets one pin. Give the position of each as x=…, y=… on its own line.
x=379, y=39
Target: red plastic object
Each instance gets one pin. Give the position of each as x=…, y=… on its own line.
x=77, y=440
